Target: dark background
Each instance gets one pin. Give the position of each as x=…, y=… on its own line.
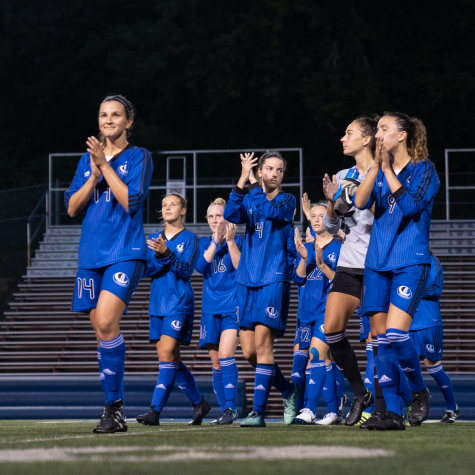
x=231, y=74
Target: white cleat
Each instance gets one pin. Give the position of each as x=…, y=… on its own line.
x=306, y=416
x=330, y=419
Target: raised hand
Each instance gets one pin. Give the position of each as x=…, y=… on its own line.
x=248, y=162
x=308, y=235
x=94, y=147
x=220, y=232
x=94, y=170
x=330, y=187
x=157, y=244
x=230, y=232
x=301, y=249
x=318, y=254
x=306, y=205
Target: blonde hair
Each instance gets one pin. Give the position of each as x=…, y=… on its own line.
x=182, y=205
x=319, y=203
x=217, y=201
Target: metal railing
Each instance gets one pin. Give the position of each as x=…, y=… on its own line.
x=44, y=218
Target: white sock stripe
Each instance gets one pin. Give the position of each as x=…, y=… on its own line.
x=217, y=370
x=167, y=365
x=227, y=362
x=329, y=367
x=267, y=372
x=307, y=371
x=383, y=341
x=301, y=353
x=434, y=369
x=336, y=338
x=369, y=347
x=318, y=364
x=112, y=343
x=397, y=336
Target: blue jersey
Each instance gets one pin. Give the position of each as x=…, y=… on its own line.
x=171, y=292
x=314, y=288
x=110, y=234
x=219, y=288
x=265, y=250
x=428, y=313
x=400, y=235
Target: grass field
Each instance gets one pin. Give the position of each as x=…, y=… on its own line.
x=62, y=447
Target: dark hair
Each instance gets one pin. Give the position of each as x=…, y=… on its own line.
x=265, y=156
x=130, y=113
x=416, y=135
x=369, y=128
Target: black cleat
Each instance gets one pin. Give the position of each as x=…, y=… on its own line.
x=390, y=421
x=358, y=405
x=450, y=416
x=419, y=407
x=375, y=417
x=152, y=418
x=200, y=411
x=216, y=421
x=112, y=419
x=228, y=417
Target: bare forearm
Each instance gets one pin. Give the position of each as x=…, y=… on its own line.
x=363, y=193
x=210, y=252
x=234, y=253
x=393, y=182
x=330, y=211
x=302, y=268
x=79, y=200
x=329, y=273
x=118, y=187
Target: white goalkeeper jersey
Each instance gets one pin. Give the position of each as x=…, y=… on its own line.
x=357, y=229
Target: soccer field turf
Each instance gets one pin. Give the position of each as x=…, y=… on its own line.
x=69, y=447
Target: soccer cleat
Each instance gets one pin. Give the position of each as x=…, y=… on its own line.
x=330, y=419
x=111, y=420
x=151, y=418
x=390, y=421
x=228, y=417
x=200, y=411
x=364, y=417
x=419, y=407
x=216, y=421
x=358, y=405
x=306, y=416
x=254, y=419
x=290, y=404
x=450, y=416
x=377, y=416
x=342, y=403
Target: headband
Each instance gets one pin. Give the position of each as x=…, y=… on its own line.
x=118, y=99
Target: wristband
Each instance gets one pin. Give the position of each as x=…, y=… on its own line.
x=215, y=243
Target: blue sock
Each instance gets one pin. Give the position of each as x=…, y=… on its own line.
x=443, y=381
x=262, y=386
x=298, y=374
x=369, y=376
x=230, y=380
x=404, y=390
x=280, y=383
x=219, y=388
x=407, y=356
x=165, y=382
x=113, y=360
x=388, y=376
x=315, y=383
x=329, y=391
x=101, y=374
x=339, y=380
x=307, y=379
x=186, y=382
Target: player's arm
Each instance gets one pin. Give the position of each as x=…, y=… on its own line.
x=234, y=250
x=420, y=191
x=328, y=271
x=435, y=284
x=300, y=275
x=182, y=264
x=281, y=209
x=156, y=246
x=78, y=195
x=330, y=187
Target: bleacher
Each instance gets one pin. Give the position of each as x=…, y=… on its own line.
x=39, y=334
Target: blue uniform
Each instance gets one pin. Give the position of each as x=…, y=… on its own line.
x=112, y=249
x=398, y=259
x=172, y=301
x=426, y=330
x=265, y=267
x=218, y=308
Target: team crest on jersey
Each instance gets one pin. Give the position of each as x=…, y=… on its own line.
x=176, y=325
x=250, y=211
x=361, y=327
x=430, y=348
x=321, y=329
x=409, y=180
x=88, y=173
x=180, y=247
x=121, y=279
x=124, y=169
x=380, y=184
x=404, y=292
x=271, y=312
x=332, y=257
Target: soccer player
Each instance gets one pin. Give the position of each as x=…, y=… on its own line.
x=218, y=261
x=171, y=258
x=109, y=187
x=426, y=333
x=263, y=275
x=345, y=295
x=315, y=269
x=402, y=185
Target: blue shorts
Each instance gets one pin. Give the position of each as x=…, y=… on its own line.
x=267, y=305
x=304, y=333
x=120, y=279
x=212, y=326
x=365, y=327
x=428, y=342
x=179, y=327
x=401, y=287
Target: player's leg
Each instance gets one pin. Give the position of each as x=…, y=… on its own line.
x=218, y=388
x=298, y=368
x=369, y=379
x=92, y=318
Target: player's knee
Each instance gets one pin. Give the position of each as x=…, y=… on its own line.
x=430, y=363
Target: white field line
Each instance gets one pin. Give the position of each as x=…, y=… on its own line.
x=184, y=454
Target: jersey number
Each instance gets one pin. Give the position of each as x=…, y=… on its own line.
x=392, y=203
x=219, y=267
x=318, y=275
x=83, y=286
x=260, y=228
x=97, y=196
